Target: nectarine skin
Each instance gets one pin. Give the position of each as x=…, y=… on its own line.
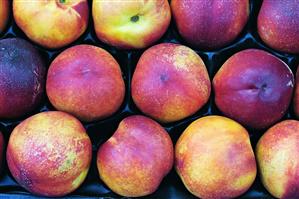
x=135, y=159
x=85, y=81
x=4, y=14
x=278, y=25
x=209, y=24
x=52, y=24
x=296, y=95
x=130, y=24
x=22, y=78
x=2, y=148
x=214, y=158
x=277, y=155
x=170, y=82
x=254, y=88
x=49, y=153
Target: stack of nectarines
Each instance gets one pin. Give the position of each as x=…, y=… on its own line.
x=150, y=99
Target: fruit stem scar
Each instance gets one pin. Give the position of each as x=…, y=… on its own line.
x=62, y=1
x=264, y=86
x=135, y=18
x=163, y=78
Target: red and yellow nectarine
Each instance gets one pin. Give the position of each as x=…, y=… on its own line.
x=85, y=81
x=130, y=24
x=52, y=23
x=49, y=153
x=277, y=155
x=136, y=158
x=214, y=158
x=170, y=82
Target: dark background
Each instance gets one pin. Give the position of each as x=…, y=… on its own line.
x=99, y=132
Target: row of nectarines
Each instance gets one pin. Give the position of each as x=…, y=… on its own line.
x=49, y=154
x=170, y=83
x=138, y=24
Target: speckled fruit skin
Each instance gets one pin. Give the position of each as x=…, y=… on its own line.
x=2, y=147
x=4, y=14
x=210, y=24
x=85, y=81
x=254, y=88
x=136, y=158
x=278, y=25
x=296, y=95
x=52, y=24
x=170, y=82
x=22, y=78
x=113, y=24
x=277, y=155
x=49, y=153
x=214, y=158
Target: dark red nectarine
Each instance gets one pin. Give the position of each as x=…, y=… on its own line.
x=22, y=78
x=210, y=24
x=254, y=88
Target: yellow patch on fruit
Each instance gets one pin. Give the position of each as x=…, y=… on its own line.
x=135, y=180
x=76, y=183
x=244, y=180
x=68, y=162
x=173, y=109
x=184, y=57
x=112, y=141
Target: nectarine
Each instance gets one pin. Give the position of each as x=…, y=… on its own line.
x=130, y=24
x=135, y=159
x=49, y=153
x=277, y=155
x=278, y=25
x=170, y=82
x=85, y=81
x=53, y=23
x=254, y=88
x=214, y=158
x=22, y=78
x=210, y=24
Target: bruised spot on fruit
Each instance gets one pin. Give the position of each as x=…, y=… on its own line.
x=179, y=164
x=135, y=18
x=24, y=179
